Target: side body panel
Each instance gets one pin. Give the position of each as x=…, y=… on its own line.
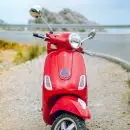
x=55, y=62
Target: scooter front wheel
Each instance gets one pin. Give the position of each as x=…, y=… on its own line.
x=68, y=122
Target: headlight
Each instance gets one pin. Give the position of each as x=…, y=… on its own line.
x=82, y=82
x=74, y=40
x=47, y=82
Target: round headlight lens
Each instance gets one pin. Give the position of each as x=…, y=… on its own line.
x=74, y=40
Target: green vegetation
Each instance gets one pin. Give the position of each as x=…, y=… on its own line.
x=33, y=52
x=128, y=93
x=64, y=16
x=7, y=45
x=29, y=53
x=128, y=83
x=24, y=52
x=82, y=30
x=19, y=58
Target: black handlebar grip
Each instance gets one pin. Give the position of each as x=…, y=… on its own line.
x=38, y=35
x=35, y=34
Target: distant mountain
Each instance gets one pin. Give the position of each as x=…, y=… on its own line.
x=2, y=21
x=65, y=16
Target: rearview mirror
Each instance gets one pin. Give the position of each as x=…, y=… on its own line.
x=92, y=34
x=35, y=11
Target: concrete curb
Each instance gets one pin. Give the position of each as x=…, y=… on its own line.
x=124, y=64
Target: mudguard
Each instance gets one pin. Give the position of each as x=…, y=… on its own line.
x=72, y=105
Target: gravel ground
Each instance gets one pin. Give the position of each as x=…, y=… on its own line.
x=20, y=96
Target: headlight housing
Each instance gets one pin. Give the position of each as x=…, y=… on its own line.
x=47, y=82
x=75, y=40
x=82, y=82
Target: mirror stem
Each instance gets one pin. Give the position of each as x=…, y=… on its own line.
x=85, y=39
x=50, y=28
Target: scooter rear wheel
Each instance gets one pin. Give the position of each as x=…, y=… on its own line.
x=68, y=122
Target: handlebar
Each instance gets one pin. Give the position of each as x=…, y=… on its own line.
x=47, y=38
x=39, y=36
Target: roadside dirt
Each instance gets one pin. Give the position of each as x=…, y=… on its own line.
x=6, y=60
x=20, y=96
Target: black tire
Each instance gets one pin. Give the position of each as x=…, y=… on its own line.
x=79, y=122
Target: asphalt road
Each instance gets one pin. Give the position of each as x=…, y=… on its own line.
x=114, y=44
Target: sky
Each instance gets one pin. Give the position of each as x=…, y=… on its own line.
x=100, y=11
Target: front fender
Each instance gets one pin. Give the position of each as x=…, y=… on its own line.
x=72, y=105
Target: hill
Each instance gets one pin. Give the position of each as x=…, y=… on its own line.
x=2, y=21
x=65, y=16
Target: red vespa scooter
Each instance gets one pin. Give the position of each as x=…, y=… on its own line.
x=65, y=100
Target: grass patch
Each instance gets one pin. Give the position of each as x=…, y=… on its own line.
x=128, y=83
x=82, y=30
x=34, y=52
x=29, y=53
x=4, y=45
x=24, y=52
x=8, y=45
x=19, y=58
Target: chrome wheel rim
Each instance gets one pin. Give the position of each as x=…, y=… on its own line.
x=66, y=124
